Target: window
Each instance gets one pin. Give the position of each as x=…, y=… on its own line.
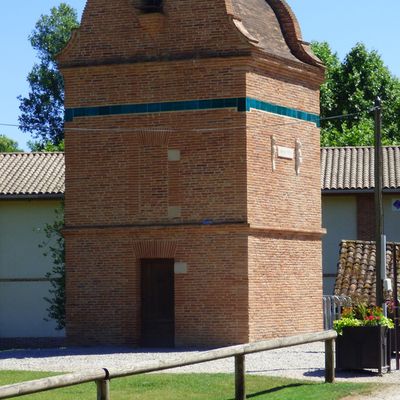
x=152, y=6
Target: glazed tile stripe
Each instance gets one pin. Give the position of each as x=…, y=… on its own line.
x=242, y=104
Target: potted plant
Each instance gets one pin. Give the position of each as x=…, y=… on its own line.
x=363, y=338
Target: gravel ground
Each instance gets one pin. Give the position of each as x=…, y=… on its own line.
x=303, y=362
x=391, y=393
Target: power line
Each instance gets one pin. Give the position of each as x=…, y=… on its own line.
x=346, y=115
x=170, y=130
x=10, y=125
x=340, y=116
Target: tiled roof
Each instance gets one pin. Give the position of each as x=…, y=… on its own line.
x=356, y=269
x=350, y=168
x=31, y=174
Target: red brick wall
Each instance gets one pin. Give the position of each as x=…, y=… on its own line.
x=118, y=188
x=102, y=289
x=103, y=286
x=153, y=82
x=285, y=86
x=285, y=288
x=277, y=198
x=285, y=276
x=128, y=165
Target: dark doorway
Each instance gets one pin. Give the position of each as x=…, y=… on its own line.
x=158, y=303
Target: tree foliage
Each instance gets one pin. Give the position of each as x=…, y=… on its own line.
x=351, y=87
x=8, y=145
x=42, y=111
x=54, y=247
x=48, y=147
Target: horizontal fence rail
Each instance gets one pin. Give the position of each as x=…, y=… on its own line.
x=102, y=376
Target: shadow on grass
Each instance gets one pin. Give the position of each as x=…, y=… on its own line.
x=272, y=390
x=345, y=374
x=280, y=370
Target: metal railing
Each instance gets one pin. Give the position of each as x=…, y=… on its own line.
x=102, y=376
x=332, y=306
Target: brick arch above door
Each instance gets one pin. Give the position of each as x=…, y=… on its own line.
x=155, y=248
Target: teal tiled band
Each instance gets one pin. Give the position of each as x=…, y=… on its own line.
x=281, y=110
x=242, y=104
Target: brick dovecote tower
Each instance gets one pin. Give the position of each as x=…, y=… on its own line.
x=192, y=203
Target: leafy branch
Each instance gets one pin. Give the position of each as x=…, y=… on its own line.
x=55, y=248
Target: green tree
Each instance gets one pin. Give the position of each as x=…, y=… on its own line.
x=8, y=145
x=351, y=87
x=329, y=87
x=49, y=146
x=42, y=111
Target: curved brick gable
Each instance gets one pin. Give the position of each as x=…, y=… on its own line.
x=292, y=33
x=115, y=31
x=271, y=26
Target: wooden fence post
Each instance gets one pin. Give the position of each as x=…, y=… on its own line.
x=103, y=389
x=240, y=387
x=329, y=361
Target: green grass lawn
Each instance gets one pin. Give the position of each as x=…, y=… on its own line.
x=194, y=387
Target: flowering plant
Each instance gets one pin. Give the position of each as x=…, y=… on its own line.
x=362, y=315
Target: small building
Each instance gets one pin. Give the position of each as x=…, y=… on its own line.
x=192, y=205
x=31, y=189
x=347, y=183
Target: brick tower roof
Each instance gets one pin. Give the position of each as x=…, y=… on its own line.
x=272, y=26
x=186, y=29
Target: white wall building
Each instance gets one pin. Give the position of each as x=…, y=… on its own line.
x=31, y=188
x=347, y=183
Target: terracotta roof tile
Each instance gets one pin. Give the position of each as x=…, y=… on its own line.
x=352, y=168
x=356, y=269
x=31, y=174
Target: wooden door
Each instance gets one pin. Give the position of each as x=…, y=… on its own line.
x=158, y=303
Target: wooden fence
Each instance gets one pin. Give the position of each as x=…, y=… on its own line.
x=332, y=307
x=102, y=376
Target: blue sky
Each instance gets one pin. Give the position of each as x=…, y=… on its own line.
x=341, y=23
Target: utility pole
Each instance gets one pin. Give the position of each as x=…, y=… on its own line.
x=379, y=240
